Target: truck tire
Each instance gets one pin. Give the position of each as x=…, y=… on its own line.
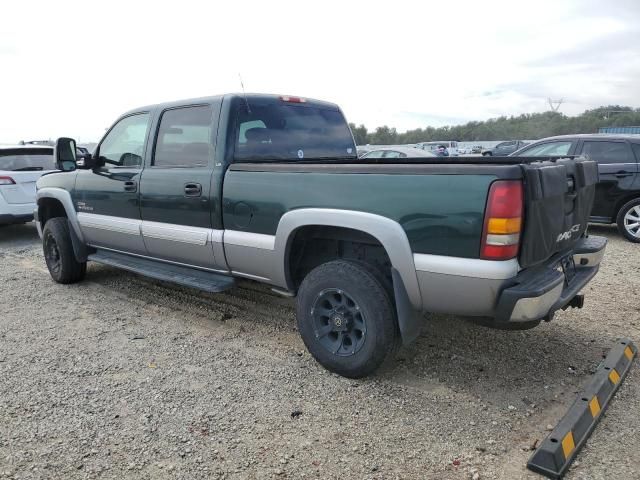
x=628, y=220
x=346, y=318
x=58, y=252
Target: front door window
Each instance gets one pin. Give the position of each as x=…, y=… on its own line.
x=124, y=144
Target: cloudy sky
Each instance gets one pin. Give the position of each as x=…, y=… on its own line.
x=70, y=68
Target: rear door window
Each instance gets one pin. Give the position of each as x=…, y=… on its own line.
x=272, y=129
x=607, y=152
x=184, y=137
x=27, y=159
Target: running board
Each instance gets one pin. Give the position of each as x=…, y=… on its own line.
x=189, y=277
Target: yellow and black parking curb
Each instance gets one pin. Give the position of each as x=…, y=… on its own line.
x=559, y=449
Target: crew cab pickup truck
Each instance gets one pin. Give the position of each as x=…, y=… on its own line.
x=269, y=188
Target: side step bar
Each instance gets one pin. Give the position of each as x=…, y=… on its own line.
x=189, y=277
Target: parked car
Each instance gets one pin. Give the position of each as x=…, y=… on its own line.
x=617, y=195
x=476, y=149
x=504, y=148
x=200, y=192
x=464, y=150
x=362, y=149
x=397, y=152
x=20, y=167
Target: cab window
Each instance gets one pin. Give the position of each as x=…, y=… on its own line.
x=124, y=144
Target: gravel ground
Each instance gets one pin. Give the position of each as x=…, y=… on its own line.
x=123, y=377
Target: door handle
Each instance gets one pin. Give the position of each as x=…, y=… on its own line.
x=130, y=186
x=193, y=190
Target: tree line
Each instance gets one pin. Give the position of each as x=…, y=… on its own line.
x=528, y=126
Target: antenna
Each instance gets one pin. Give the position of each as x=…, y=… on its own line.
x=244, y=93
x=554, y=108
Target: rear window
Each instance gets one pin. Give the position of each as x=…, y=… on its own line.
x=26, y=159
x=274, y=130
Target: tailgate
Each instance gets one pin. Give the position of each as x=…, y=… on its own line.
x=558, y=199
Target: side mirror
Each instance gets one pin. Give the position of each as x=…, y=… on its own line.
x=65, y=154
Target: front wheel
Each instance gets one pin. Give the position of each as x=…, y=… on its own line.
x=628, y=220
x=346, y=318
x=58, y=252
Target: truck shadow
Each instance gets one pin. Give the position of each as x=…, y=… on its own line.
x=502, y=367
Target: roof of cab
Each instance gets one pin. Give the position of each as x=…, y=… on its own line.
x=248, y=96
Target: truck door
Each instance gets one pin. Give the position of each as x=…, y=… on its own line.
x=175, y=190
x=106, y=198
x=617, y=169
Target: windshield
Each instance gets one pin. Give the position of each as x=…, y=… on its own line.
x=27, y=159
x=269, y=129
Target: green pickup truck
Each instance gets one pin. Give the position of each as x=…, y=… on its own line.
x=269, y=188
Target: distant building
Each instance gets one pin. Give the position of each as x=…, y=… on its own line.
x=623, y=130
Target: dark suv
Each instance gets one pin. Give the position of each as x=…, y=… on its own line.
x=504, y=148
x=618, y=191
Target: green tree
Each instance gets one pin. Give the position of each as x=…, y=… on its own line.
x=360, y=134
x=528, y=126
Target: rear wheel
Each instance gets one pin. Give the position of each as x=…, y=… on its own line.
x=58, y=252
x=346, y=318
x=628, y=220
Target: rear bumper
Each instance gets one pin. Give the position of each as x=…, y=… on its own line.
x=539, y=292
x=498, y=292
x=9, y=219
x=15, y=212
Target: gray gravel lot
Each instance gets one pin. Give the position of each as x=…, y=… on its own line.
x=123, y=377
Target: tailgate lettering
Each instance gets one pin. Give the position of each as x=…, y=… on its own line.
x=568, y=234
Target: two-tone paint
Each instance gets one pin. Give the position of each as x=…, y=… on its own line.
x=427, y=216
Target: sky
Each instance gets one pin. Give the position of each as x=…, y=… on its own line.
x=71, y=68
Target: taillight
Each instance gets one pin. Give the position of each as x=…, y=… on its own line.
x=502, y=221
x=287, y=98
x=7, y=181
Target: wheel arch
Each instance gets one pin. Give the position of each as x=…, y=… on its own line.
x=622, y=202
x=56, y=198
x=387, y=232
x=56, y=202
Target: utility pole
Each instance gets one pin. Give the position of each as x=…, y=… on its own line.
x=555, y=105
